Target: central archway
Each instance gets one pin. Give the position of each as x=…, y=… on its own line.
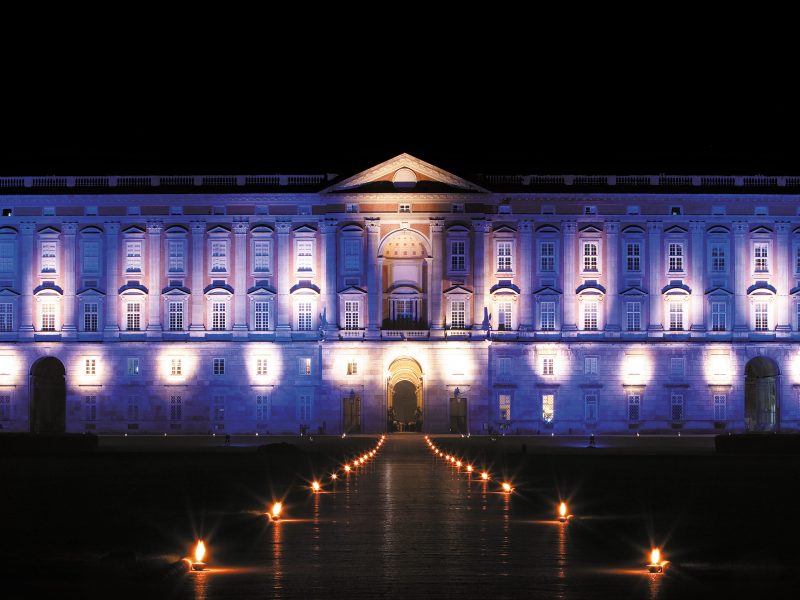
x=404, y=395
x=761, y=411
x=48, y=399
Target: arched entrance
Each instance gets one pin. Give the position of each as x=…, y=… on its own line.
x=48, y=396
x=404, y=396
x=761, y=394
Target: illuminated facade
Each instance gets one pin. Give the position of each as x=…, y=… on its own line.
x=402, y=298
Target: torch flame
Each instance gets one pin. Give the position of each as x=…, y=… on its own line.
x=315, y=486
x=506, y=487
x=655, y=556
x=562, y=510
x=276, y=509
x=347, y=468
x=484, y=475
x=200, y=551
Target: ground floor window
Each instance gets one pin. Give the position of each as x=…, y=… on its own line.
x=590, y=402
x=263, y=408
x=634, y=403
x=548, y=407
x=720, y=407
x=90, y=408
x=676, y=403
x=175, y=408
x=5, y=407
x=504, y=406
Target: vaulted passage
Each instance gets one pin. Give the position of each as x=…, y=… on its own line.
x=761, y=394
x=405, y=396
x=48, y=396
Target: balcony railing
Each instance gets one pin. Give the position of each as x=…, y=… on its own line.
x=407, y=334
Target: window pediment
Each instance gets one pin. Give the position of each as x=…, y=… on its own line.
x=547, y=291
x=761, y=229
x=260, y=290
x=504, y=289
x=676, y=288
x=217, y=289
x=8, y=293
x=91, y=230
x=721, y=291
x=176, y=230
x=175, y=291
x=456, y=291
x=133, y=231
x=591, y=288
x=590, y=229
x=6, y=230
x=305, y=230
x=261, y=230
x=353, y=291
x=761, y=288
x=676, y=230
x=48, y=290
x=49, y=232
x=404, y=288
x=547, y=229
x=219, y=231
x=304, y=288
x=133, y=289
x=633, y=291
x=89, y=292
x=718, y=229
x=504, y=229
x=634, y=229
x=457, y=228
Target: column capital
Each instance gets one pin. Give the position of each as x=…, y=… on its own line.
x=525, y=226
x=782, y=228
x=611, y=227
x=373, y=225
x=69, y=228
x=655, y=227
x=241, y=225
x=481, y=225
x=328, y=225
x=437, y=224
x=569, y=227
x=198, y=227
x=27, y=228
x=697, y=227
x=154, y=227
x=283, y=226
x=740, y=227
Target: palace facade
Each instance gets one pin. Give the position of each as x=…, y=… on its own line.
x=401, y=298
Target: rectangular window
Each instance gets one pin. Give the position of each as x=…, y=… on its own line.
x=6, y=316
x=404, y=208
x=351, y=207
x=48, y=316
x=503, y=368
x=547, y=257
x=797, y=260
x=458, y=311
x=548, y=312
x=219, y=366
x=176, y=259
x=175, y=408
x=218, y=316
x=590, y=402
x=133, y=316
x=352, y=256
x=504, y=406
x=548, y=366
x=219, y=257
x=262, y=316
x=590, y=315
x=633, y=316
x=676, y=404
x=7, y=257
x=304, y=407
x=261, y=256
x=133, y=257
x=218, y=407
x=90, y=314
x=720, y=407
x=677, y=366
x=352, y=367
x=634, y=403
x=91, y=257
x=176, y=316
x=676, y=258
x=503, y=257
x=719, y=320
x=176, y=367
x=48, y=257
x=762, y=316
x=676, y=316
x=305, y=366
x=548, y=406
x=504, y=316
x=760, y=258
x=633, y=251
x=590, y=256
x=304, y=316
x=263, y=409
x=90, y=366
x=350, y=315
x=90, y=408
x=458, y=256
x=261, y=367
x=590, y=365
x=718, y=258
x=133, y=366
x=304, y=255
x=405, y=309
x=133, y=408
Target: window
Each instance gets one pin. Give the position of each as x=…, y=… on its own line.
x=590, y=365
x=175, y=210
x=504, y=209
x=797, y=259
x=218, y=407
x=761, y=211
x=590, y=210
x=718, y=210
x=633, y=251
x=590, y=256
x=677, y=366
x=503, y=257
x=133, y=257
x=48, y=257
x=48, y=316
x=133, y=366
x=720, y=403
x=633, y=316
x=548, y=315
x=176, y=316
x=458, y=311
x=718, y=252
x=760, y=258
x=133, y=408
x=352, y=255
x=7, y=257
x=90, y=408
x=457, y=207
x=590, y=402
x=176, y=367
x=90, y=366
x=458, y=256
x=305, y=366
x=176, y=259
x=634, y=403
x=219, y=366
x=175, y=408
x=90, y=313
x=405, y=309
x=262, y=316
x=633, y=210
x=675, y=210
x=548, y=405
x=504, y=406
x=547, y=257
x=590, y=315
x=718, y=317
x=762, y=316
x=404, y=208
x=351, y=207
x=350, y=315
x=304, y=407
x=133, y=316
x=261, y=256
x=304, y=255
x=676, y=316
x=547, y=365
x=219, y=257
x=304, y=316
x=261, y=367
x=6, y=316
x=218, y=316
x=504, y=316
x=676, y=403
x=91, y=257
x=352, y=367
x=503, y=368
x=5, y=407
x=675, y=258
x=263, y=408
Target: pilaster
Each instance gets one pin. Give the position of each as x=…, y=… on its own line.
x=612, y=269
x=68, y=329
x=569, y=322
x=655, y=325
x=154, y=229
x=283, y=328
x=698, y=298
x=111, y=329
x=374, y=291
x=240, y=228
x=26, y=328
x=435, y=269
x=328, y=229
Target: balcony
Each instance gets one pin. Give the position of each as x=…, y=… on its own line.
x=351, y=334
x=405, y=334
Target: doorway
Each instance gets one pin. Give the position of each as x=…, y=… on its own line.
x=761, y=409
x=404, y=396
x=351, y=414
x=458, y=415
x=48, y=396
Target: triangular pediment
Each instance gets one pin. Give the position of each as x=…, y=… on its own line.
x=133, y=229
x=504, y=229
x=633, y=291
x=48, y=231
x=457, y=290
x=175, y=291
x=591, y=229
x=260, y=290
x=719, y=291
x=219, y=230
x=8, y=292
x=547, y=290
x=404, y=173
x=676, y=229
x=352, y=290
x=761, y=229
x=89, y=291
x=305, y=229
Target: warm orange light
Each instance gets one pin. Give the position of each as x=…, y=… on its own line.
x=655, y=556
x=458, y=464
x=315, y=486
x=335, y=476
x=447, y=457
x=347, y=468
x=276, y=510
x=562, y=509
x=506, y=487
x=199, y=551
x=485, y=476
x=469, y=468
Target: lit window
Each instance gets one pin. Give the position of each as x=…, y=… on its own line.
x=219, y=257
x=48, y=257
x=676, y=316
x=133, y=366
x=504, y=406
x=176, y=316
x=548, y=406
x=176, y=367
x=133, y=316
x=261, y=256
x=352, y=367
x=676, y=402
x=133, y=257
x=219, y=366
x=504, y=322
x=633, y=314
x=547, y=257
x=720, y=405
x=590, y=401
x=718, y=252
x=762, y=316
x=351, y=310
x=634, y=257
x=6, y=316
x=48, y=316
x=261, y=367
x=305, y=366
x=503, y=257
x=263, y=408
x=90, y=366
x=676, y=258
x=262, y=316
x=634, y=404
x=304, y=316
x=175, y=408
x=176, y=260
x=218, y=316
x=458, y=311
x=590, y=256
x=761, y=258
x=590, y=365
x=305, y=255
x=590, y=315
x=458, y=256
x=548, y=366
x=548, y=316
x=718, y=317
x=90, y=313
x=90, y=408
